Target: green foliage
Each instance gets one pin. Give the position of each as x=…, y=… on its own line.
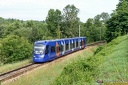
x=70, y=21
x=32, y=30
x=14, y=48
x=95, y=29
x=53, y=20
x=23, y=32
x=77, y=72
x=98, y=50
x=118, y=24
x=10, y=27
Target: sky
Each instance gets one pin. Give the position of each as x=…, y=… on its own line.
x=38, y=9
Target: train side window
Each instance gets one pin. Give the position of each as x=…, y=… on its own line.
x=81, y=43
x=84, y=42
x=61, y=48
x=46, y=52
x=77, y=44
x=67, y=46
x=53, y=49
x=73, y=44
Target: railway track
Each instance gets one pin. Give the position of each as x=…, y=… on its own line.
x=19, y=71
x=16, y=72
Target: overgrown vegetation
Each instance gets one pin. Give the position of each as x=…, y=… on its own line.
x=118, y=23
x=109, y=64
x=84, y=70
x=14, y=48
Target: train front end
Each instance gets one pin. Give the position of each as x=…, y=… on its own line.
x=39, y=52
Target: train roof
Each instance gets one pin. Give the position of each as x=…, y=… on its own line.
x=46, y=41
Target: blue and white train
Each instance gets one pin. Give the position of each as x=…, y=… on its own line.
x=48, y=50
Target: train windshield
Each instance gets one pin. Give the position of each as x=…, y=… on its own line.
x=39, y=49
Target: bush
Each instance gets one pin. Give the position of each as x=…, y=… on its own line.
x=98, y=50
x=81, y=71
x=14, y=48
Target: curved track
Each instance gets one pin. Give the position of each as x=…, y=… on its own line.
x=16, y=72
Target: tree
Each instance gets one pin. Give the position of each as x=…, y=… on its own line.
x=1, y=31
x=118, y=23
x=53, y=20
x=70, y=21
x=104, y=17
x=100, y=25
x=95, y=28
x=90, y=31
x=23, y=32
x=39, y=32
x=14, y=48
x=122, y=12
x=10, y=26
x=1, y=27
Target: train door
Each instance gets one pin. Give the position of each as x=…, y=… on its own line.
x=79, y=40
x=83, y=42
x=77, y=46
x=75, y=43
x=57, y=48
x=62, y=47
x=69, y=44
x=80, y=43
x=52, y=53
x=47, y=51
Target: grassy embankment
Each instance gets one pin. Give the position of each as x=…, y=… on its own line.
x=109, y=64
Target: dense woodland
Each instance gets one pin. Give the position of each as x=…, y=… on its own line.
x=18, y=36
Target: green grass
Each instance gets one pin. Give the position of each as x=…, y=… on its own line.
x=109, y=63
x=47, y=74
x=11, y=66
x=115, y=66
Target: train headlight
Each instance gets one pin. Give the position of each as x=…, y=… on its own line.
x=42, y=56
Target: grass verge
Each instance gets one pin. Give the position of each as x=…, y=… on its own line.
x=11, y=66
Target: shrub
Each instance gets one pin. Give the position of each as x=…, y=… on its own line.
x=98, y=50
x=77, y=72
x=14, y=48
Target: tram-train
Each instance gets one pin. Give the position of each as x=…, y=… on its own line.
x=48, y=50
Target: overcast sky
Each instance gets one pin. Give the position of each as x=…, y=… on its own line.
x=38, y=9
